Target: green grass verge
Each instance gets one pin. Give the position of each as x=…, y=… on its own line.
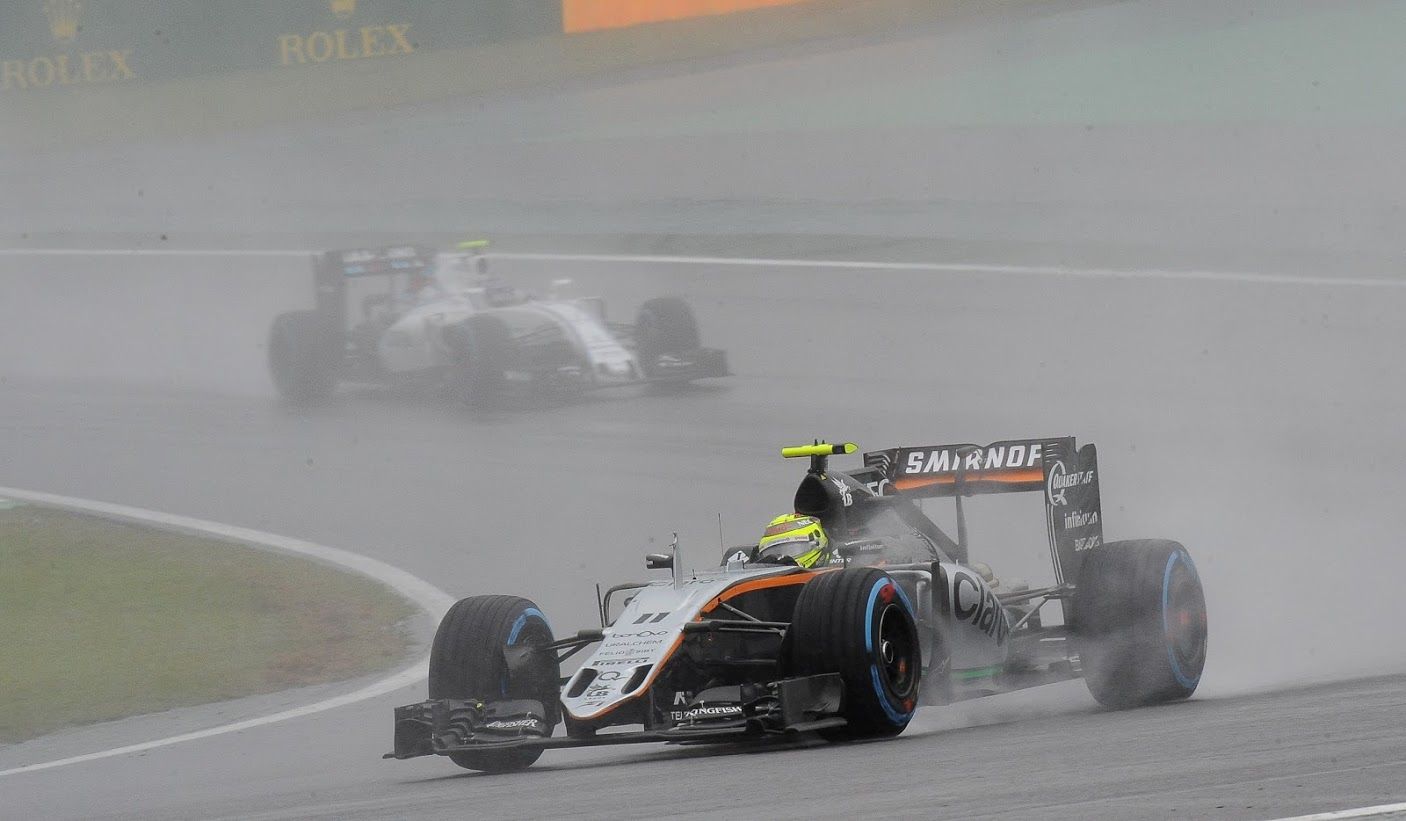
x=104, y=620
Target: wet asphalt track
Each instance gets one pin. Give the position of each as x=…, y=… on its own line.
x=1258, y=423
x=544, y=501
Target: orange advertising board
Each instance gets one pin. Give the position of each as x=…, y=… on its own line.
x=593, y=15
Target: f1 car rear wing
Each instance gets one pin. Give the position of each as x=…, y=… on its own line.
x=1065, y=473
x=333, y=269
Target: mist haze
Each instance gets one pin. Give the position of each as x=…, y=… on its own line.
x=1169, y=228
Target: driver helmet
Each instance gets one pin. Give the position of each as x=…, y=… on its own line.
x=796, y=537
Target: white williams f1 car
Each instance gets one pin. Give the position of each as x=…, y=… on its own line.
x=896, y=616
x=409, y=316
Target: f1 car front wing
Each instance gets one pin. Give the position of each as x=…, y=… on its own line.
x=737, y=712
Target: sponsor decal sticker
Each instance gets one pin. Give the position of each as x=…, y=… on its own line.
x=616, y=649
x=1062, y=480
x=952, y=459
x=973, y=602
x=846, y=498
x=1087, y=543
x=707, y=711
x=510, y=724
x=1080, y=518
x=877, y=488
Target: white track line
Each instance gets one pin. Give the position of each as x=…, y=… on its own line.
x=972, y=268
x=430, y=598
x=232, y=253
x=764, y=262
x=1360, y=812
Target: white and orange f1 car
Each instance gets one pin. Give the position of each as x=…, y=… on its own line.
x=848, y=648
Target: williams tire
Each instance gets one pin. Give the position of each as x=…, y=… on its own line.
x=665, y=326
x=859, y=623
x=467, y=661
x=482, y=344
x=1140, y=623
x=302, y=357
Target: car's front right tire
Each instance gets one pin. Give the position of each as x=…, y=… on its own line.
x=481, y=346
x=664, y=326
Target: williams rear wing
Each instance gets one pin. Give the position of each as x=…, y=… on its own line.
x=333, y=270
x=1065, y=474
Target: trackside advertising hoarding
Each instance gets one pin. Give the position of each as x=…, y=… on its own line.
x=593, y=15
x=55, y=44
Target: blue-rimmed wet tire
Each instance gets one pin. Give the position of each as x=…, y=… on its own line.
x=1140, y=623
x=859, y=623
x=467, y=661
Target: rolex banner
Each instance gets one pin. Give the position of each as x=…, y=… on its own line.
x=49, y=44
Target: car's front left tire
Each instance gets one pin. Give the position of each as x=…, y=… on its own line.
x=467, y=662
x=302, y=357
x=859, y=623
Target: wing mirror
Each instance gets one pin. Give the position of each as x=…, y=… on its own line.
x=658, y=561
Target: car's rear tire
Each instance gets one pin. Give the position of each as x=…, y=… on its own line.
x=664, y=326
x=859, y=623
x=467, y=661
x=481, y=343
x=302, y=357
x=1140, y=622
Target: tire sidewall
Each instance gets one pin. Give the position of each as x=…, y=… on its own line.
x=481, y=344
x=299, y=357
x=664, y=326
x=467, y=662
x=887, y=600
x=1129, y=598
x=838, y=627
